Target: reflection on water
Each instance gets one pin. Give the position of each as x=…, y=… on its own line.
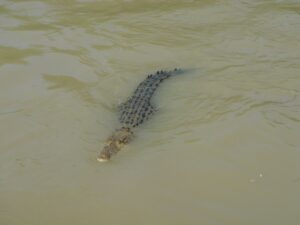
x=223, y=147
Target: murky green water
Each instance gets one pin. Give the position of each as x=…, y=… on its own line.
x=223, y=148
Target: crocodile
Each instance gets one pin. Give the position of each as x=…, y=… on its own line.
x=132, y=113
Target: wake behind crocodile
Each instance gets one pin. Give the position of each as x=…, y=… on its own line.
x=136, y=110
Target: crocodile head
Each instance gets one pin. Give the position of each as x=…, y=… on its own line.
x=114, y=144
x=107, y=151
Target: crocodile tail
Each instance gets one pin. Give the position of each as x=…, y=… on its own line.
x=176, y=71
x=164, y=74
x=173, y=72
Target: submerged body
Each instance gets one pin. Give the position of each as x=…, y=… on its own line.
x=134, y=112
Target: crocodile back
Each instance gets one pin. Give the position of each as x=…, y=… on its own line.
x=138, y=108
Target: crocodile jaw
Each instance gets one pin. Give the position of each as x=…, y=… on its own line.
x=102, y=159
x=106, y=153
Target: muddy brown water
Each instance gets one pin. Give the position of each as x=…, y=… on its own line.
x=223, y=148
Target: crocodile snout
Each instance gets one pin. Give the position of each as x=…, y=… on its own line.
x=105, y=154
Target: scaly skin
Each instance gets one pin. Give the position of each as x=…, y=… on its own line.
x=134, y=112
x=114, y=143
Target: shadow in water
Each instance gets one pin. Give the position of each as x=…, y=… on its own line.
x=68, y=83
x=10, y=55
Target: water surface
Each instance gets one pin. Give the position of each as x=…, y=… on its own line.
x=223, y=147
